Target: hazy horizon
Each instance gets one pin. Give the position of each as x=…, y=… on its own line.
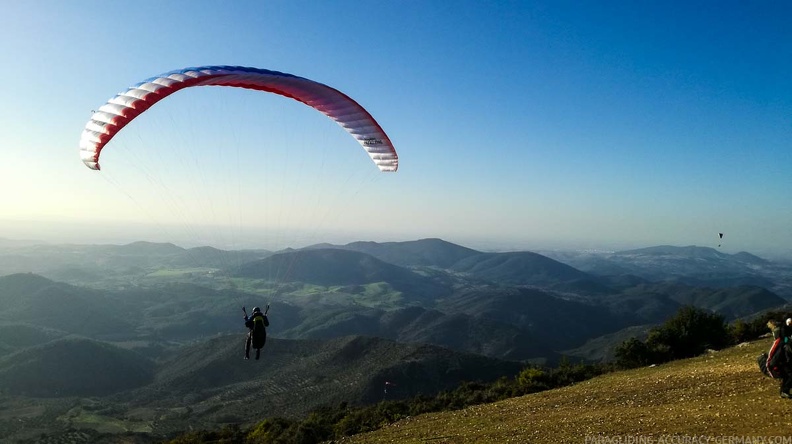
x=251, y=238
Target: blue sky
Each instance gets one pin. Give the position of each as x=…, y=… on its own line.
x=519, y=125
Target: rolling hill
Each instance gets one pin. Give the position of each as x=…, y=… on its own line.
x=79, y=384
x=461, y=332
x=334, y=267
x=654, y=302
x=100, y=264
x=15, y=336
x=518, y=268
x=32, y=299
x=552, y=321
x=423, y=252
x=354, y=369
x=689, y=265
x=73, y=367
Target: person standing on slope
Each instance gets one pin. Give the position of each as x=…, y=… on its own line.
x=778, y=364
x=257, y=324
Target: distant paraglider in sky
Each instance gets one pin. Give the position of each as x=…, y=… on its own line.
x=720, y=239
x=109, y=119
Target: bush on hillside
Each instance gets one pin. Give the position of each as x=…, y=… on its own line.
x=690, y=332
x=741, y=331
x=532, y=380
x=633, y=353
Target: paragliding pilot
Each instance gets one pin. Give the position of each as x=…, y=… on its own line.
x=257, y=334
x=776, y=362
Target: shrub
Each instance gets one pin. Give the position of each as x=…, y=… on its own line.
x=269, y=431
x=690, y=332
x=532, y=380
x=632, y=353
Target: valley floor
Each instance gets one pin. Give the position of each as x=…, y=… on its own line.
x=719, y=398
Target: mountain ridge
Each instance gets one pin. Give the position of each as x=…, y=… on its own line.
x=422, y=252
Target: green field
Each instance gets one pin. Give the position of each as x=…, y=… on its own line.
x=172, y=272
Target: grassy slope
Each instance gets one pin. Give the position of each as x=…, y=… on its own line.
x=720, y=394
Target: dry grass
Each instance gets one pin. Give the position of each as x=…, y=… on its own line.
x=721, y=394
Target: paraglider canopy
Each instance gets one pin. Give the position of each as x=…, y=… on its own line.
x=110, y=118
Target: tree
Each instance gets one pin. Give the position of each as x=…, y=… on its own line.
x=633, y=353
x=691, y=332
